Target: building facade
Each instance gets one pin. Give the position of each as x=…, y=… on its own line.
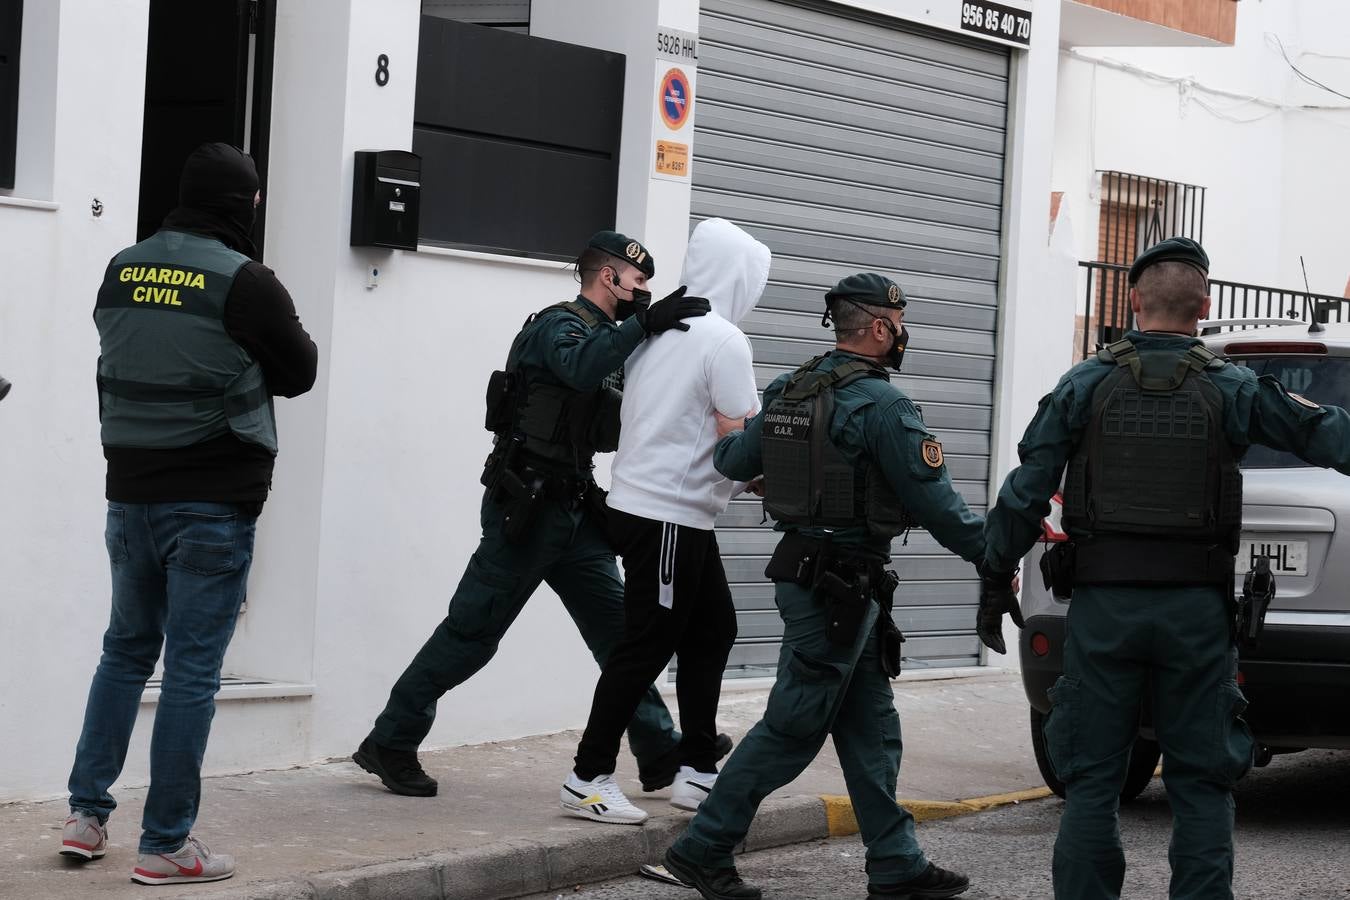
x=911, y=138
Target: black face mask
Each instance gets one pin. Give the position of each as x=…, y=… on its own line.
x=626, y=309
x=896, y=355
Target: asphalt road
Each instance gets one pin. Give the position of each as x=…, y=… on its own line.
x=1293, y=841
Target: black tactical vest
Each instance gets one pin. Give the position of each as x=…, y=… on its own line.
x=808, y=482
x=555, y=423
x=1154, y=471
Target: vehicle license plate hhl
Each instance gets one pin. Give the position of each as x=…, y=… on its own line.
x=1286, y=557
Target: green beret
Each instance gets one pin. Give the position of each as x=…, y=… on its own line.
x=1174, y=249
x=625, y=248
x=870, y=289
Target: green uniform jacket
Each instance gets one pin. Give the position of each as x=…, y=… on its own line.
x=561, y=349
x=1256, y=411
x=874, y=422
x=574, y=355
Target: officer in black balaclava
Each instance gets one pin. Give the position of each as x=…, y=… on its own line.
x=196, y=339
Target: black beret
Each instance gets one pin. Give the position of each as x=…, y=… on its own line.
x=625, y=248
x=1174, y=249
x=868, y=288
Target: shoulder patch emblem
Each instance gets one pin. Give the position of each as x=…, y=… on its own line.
x=1303, y=401
x=932, y=453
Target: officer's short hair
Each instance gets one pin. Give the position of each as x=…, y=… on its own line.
x=1171, y=290
x=592, y=260
x=848, y=317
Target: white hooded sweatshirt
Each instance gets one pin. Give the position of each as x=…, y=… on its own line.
x=674, y=380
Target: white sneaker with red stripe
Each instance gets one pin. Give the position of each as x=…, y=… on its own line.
x=601, y=800
x=190, y=863
x=84, y=837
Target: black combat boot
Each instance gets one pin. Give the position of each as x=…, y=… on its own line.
x=398, y=769
x=662, y=773
x=933, y=883
x=713, y=884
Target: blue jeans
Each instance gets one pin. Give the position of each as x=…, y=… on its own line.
x=178, y=578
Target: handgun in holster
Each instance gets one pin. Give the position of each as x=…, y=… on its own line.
x=1057, y=568
x=845, y=604
x=1258, y=590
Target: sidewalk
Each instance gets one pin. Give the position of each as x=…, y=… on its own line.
x=332, y=832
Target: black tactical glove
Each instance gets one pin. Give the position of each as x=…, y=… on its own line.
x=996, y=598
x=670, y=311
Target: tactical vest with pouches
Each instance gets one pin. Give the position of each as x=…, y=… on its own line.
x=1153, y=492
x=554, y=423
x=808, y=482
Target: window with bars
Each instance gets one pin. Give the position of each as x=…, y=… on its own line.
x=1138, y=211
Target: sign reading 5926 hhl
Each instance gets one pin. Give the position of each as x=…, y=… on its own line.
x=996, y=21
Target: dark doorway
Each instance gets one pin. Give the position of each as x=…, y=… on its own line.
x=208, y=77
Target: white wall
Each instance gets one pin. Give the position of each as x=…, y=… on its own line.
x=1275, y=178
x=1036, y=329
x=54, y=585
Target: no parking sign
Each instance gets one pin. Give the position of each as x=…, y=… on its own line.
x=676, y=99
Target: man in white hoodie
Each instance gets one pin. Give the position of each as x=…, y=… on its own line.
x=665, y=498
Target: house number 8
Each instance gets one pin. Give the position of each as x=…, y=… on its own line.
x=382, y=70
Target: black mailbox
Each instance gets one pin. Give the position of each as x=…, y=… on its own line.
x=386, y=196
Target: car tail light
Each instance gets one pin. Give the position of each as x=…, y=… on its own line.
x=1040, y=644
x=1259, y=348
x=1052, y=525
x=1241, y=679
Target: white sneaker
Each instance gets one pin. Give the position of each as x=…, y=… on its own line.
x=691, y=788
x=84, y=837
x=188, y=864
x=601, y=800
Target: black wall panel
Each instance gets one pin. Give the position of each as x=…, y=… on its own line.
x=11, y=33
x=519, y=139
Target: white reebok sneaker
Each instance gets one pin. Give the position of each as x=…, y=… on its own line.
x=691, y=788
x=602, y=800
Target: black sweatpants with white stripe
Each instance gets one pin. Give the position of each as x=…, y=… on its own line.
x=676, y=601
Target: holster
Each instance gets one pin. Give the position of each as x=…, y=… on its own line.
x=846, y=602
x=520, y=499
x=1258, y=590
x=1057, y=568
x=890, y=634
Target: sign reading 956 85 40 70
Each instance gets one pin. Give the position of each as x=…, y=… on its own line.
x=994, y=20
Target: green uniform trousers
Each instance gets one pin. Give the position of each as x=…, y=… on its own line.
x=567, y=550
x=1172, y=645
x=822, y=689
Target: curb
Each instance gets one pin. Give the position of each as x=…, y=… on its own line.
x=515, y=868
x=843, y=822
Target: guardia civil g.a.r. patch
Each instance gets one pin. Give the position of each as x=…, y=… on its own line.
x=932, y=453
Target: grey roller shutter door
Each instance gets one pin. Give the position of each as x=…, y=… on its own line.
x=849, y=142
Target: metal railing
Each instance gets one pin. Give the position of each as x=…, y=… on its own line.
x=1107, y=316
